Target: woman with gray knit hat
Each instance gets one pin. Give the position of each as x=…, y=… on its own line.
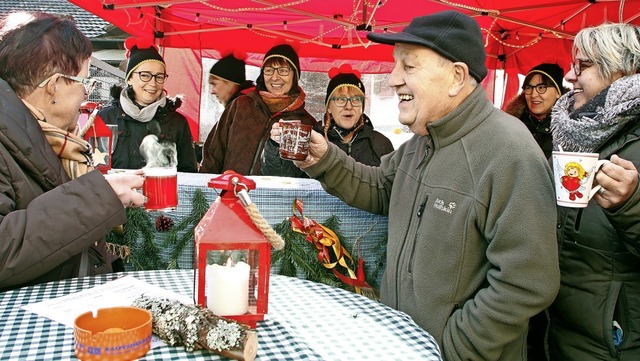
x=237, y=140
x=345, y=125
x=541, y=88
x=143, y=108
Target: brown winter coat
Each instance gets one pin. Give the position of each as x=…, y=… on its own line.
x=49, y=225
x=237, y=141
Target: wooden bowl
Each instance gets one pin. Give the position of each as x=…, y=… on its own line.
x=117, y=333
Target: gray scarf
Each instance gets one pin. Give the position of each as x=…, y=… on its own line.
x=145, y=114
x=589, y=127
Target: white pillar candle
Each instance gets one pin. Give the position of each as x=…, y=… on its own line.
x=228, y=288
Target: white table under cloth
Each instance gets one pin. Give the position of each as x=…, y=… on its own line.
x=273, y=197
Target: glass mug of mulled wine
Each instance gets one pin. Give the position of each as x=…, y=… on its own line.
x=161, y=188
x=294, y=139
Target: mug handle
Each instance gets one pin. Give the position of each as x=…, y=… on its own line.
x=599, y=165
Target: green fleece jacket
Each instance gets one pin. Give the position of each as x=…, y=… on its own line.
x=472, y=252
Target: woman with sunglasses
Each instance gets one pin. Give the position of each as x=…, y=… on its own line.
x=237, y=140
x=143, y=108
x=345, y=125
x=541, y=88
x=596, y=315
x=54, y=208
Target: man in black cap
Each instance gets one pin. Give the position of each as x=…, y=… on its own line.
x=227, y=81
x=227, y=78
x=472, y=251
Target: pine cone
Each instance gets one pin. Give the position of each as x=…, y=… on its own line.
x=163, y=223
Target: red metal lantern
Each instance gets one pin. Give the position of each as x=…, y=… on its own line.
x=232, y=256
x=98, y=134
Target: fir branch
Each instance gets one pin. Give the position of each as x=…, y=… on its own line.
x=144, y=255
x=200, y=206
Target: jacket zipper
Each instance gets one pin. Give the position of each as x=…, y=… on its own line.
x=421, y=208
x=415, y=235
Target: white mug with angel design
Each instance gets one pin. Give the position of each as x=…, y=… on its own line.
x=573, y=175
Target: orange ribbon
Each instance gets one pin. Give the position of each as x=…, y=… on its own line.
x=331, y=253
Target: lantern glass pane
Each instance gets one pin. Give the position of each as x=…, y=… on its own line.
x=100, y=143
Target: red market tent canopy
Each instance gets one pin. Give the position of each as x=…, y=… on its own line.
x=519, y=34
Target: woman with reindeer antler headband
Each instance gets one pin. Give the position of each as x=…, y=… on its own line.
x=143, y=108
x=345, y=125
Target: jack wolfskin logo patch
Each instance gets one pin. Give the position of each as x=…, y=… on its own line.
x=439, y=204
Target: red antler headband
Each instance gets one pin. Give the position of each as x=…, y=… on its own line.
x=343, y=69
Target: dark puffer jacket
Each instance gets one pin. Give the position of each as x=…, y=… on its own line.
x=51, y=228
x=168, y=124
x=237, y=141
x=600, y=259
x=367, y=147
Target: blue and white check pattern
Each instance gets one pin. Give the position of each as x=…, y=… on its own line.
x=273, y=197
x=306, y=321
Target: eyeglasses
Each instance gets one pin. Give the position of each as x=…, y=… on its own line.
x=146, y=76
x=87, y=83
x=356, y=101
x=282, y=71
x=578, y=65
x=540, y=88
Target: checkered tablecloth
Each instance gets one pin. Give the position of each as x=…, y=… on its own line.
x=306, y=321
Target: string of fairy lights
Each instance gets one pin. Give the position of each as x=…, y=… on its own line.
x=361, y=15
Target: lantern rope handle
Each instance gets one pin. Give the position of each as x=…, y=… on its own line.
x=90, y=121
x=258, y=220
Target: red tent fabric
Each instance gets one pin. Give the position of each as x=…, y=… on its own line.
x=519, y=34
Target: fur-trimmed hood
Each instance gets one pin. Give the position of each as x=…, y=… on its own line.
x=173, y=103
x=517, y=106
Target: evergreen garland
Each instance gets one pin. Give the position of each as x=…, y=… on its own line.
x=200, y=206
x=138, y=236
x=298, y=258
x=145, y=255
